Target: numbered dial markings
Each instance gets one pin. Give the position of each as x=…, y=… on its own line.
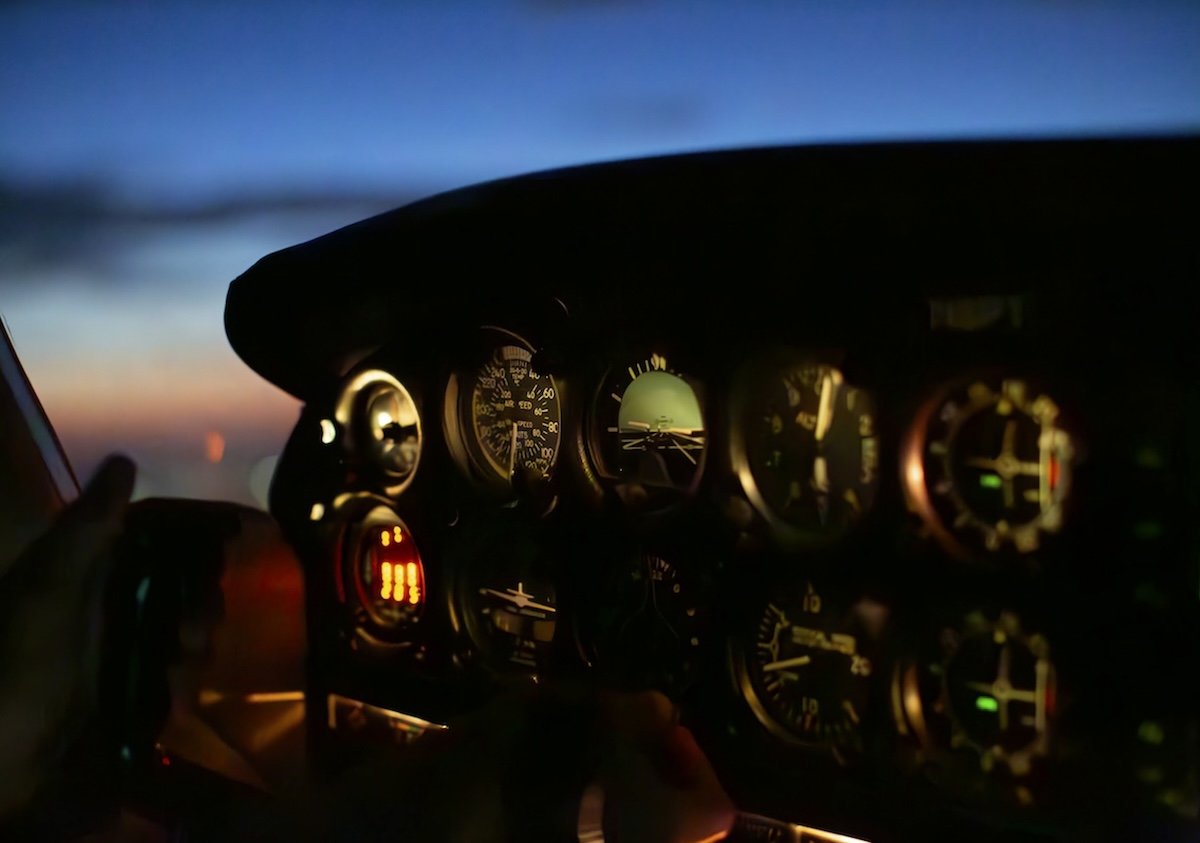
x=996, y=466
x=811, y=449
x=649, y=426
x=647, y=630
x=808, y=677
x=988, y=690
x=515, y=414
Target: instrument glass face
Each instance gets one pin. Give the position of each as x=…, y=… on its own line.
x=994, y=469
x=987, y=689
x=648, y=426
x=512, y=417
x=807, y=673
x=811, y=453
x=648, y=624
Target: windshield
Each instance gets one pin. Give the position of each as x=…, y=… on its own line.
x=152, y=152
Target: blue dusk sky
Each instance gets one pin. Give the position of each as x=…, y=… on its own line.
x=151, y=151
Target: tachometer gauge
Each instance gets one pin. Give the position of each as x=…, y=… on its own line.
x=989, y=466
x=806, y=450
x=647, y=624
x=807, y=672
x=508, y=413
x=988, y=691
x=648, y=427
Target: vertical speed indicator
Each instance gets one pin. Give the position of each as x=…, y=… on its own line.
x=806, y=673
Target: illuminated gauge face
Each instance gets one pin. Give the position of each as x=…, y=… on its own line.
x=389, y=578
x=988, y=691
x=382, y=425
x=514, y=414
x=508, y=604
x=811, y=456
x=806, y=675
x=648, y=626
x=393, y=429
x=994, y=467
x=648, y=427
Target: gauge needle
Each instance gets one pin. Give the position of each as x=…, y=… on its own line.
x=635, y=426
x=518, y=598
x=825, y=408
x=683, y=451
x=512, y=451
x=799, y=661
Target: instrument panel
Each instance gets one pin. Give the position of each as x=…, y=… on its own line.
x=922, y=569
x=774, y=545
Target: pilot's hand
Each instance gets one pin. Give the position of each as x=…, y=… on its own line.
x=50, y=615
x=657, y=784
x=515, y=771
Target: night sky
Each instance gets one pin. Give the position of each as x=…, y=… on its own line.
x=150, y=152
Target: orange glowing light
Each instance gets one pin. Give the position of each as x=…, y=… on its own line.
x=915, y=472
x=214, y=446
x=392, y=580
x=414, y=590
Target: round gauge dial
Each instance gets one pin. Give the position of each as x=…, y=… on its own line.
x=648, y=426
x=989, y=690
x=807, y=677
x=393, y=429
x=505, y=598
x=507, y=413
x=807, y=452
x=514, y=414
x=513, y=620
x=648, y=626
x=383, y=425
x=992, y=468
x=385, y=571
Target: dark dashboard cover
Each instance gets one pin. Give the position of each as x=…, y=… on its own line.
x=1104, y=228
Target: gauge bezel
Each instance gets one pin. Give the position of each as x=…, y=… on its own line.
x=633, y=491
x=747, y=387
x=913, y=720
x=741, y=643
x=349, y=413
x=464, y=569
x=962, y=545
x=457, y=416
x=368, y=514
x=588, y=633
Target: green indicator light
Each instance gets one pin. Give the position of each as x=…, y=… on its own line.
x=1147, y=456
x=1148, y=530
x=987, y=704
x=1151, y=732
x=990, y=481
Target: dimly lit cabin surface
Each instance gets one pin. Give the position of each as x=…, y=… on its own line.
x=878, y=460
